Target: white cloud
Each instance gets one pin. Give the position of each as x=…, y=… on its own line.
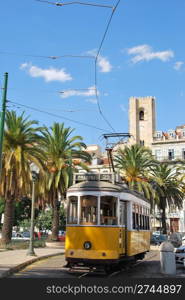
x=104, y=64
x=178, y=65
x=102, y=61
x=146, y=53
x=91, y=91
x=50, y=74
x=94, y=101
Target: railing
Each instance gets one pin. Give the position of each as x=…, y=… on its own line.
x=169, y=158
x=168, y=138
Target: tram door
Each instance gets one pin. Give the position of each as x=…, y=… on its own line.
x=123, y=228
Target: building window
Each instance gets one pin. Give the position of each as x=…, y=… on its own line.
x=141, y=115
x=158, y=134
x=171, y=154
x=171, y=134
x=183, y=153
x=158, y=153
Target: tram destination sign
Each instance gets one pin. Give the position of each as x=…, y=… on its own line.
x=93, y=177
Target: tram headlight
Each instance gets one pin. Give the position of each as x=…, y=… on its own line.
x=87, y=245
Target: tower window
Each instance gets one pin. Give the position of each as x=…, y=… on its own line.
x=142, y=143
x=141, y=115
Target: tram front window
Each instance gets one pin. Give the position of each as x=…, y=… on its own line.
x=108, y=210
x=88, y=210
x=72, y=210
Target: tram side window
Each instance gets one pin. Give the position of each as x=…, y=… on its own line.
x=108, y=210
x=146, y=224
x=88, y=210
x=135, y=217
x=123, y=213
x=140, y=217
x=72, y=210
x=134, y=220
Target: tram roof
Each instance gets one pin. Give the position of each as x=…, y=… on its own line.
x=103, y=186
x=95, y=186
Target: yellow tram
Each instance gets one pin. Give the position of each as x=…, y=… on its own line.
x=107, y=224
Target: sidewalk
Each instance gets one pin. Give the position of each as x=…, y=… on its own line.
x=14, y=260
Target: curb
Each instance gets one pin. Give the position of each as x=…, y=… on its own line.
x=21, y=266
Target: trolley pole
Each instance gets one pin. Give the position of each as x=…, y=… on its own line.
x=2, y=121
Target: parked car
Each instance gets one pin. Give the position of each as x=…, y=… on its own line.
x=26, y=235
x=180, y=254
x=61, y=236
x=157, y=239
x=21, y=236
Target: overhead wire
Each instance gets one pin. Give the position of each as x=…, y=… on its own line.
x=82, y=56
x=55, y=115
x=99, y=49
x=48, y=56
x=75, y=2
x=96, y=62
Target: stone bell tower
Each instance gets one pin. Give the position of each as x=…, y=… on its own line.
x=142, y=122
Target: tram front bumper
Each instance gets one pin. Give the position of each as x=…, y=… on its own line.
x=73, y=254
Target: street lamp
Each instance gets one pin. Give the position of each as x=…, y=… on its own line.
x=35, y=172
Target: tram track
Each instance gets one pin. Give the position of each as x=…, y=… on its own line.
x=91, y=273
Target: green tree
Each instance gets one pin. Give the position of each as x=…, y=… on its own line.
x=61, y=148
x=169, y=189
x=44, y=220
x=20, y=148
x=135, y=163
x=23, y=211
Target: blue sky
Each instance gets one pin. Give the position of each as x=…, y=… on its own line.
x=143, y=54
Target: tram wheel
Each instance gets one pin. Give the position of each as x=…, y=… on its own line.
x=108, y=269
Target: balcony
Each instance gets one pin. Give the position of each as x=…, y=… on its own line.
x=168, y=138
x=167, y=158
x=173, y=215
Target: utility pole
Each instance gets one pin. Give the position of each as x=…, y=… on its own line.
x=3, y=111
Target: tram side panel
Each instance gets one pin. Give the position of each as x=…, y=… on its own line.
x=138, y=231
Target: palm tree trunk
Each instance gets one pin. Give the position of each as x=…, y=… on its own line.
x=8, y=221
x=163, y=214
x=163, y=219
x=55, y=220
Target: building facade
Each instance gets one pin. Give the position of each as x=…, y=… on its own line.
x=166, y=147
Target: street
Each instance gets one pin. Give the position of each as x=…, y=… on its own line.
x=53, y=267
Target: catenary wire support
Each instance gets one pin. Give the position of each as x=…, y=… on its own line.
x=76, y=2
x=99, y=49
x=110, y=146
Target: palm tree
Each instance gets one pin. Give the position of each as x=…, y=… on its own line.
x=168, y=189
x=60, y=149
x=19, y=150
x=135, y=163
